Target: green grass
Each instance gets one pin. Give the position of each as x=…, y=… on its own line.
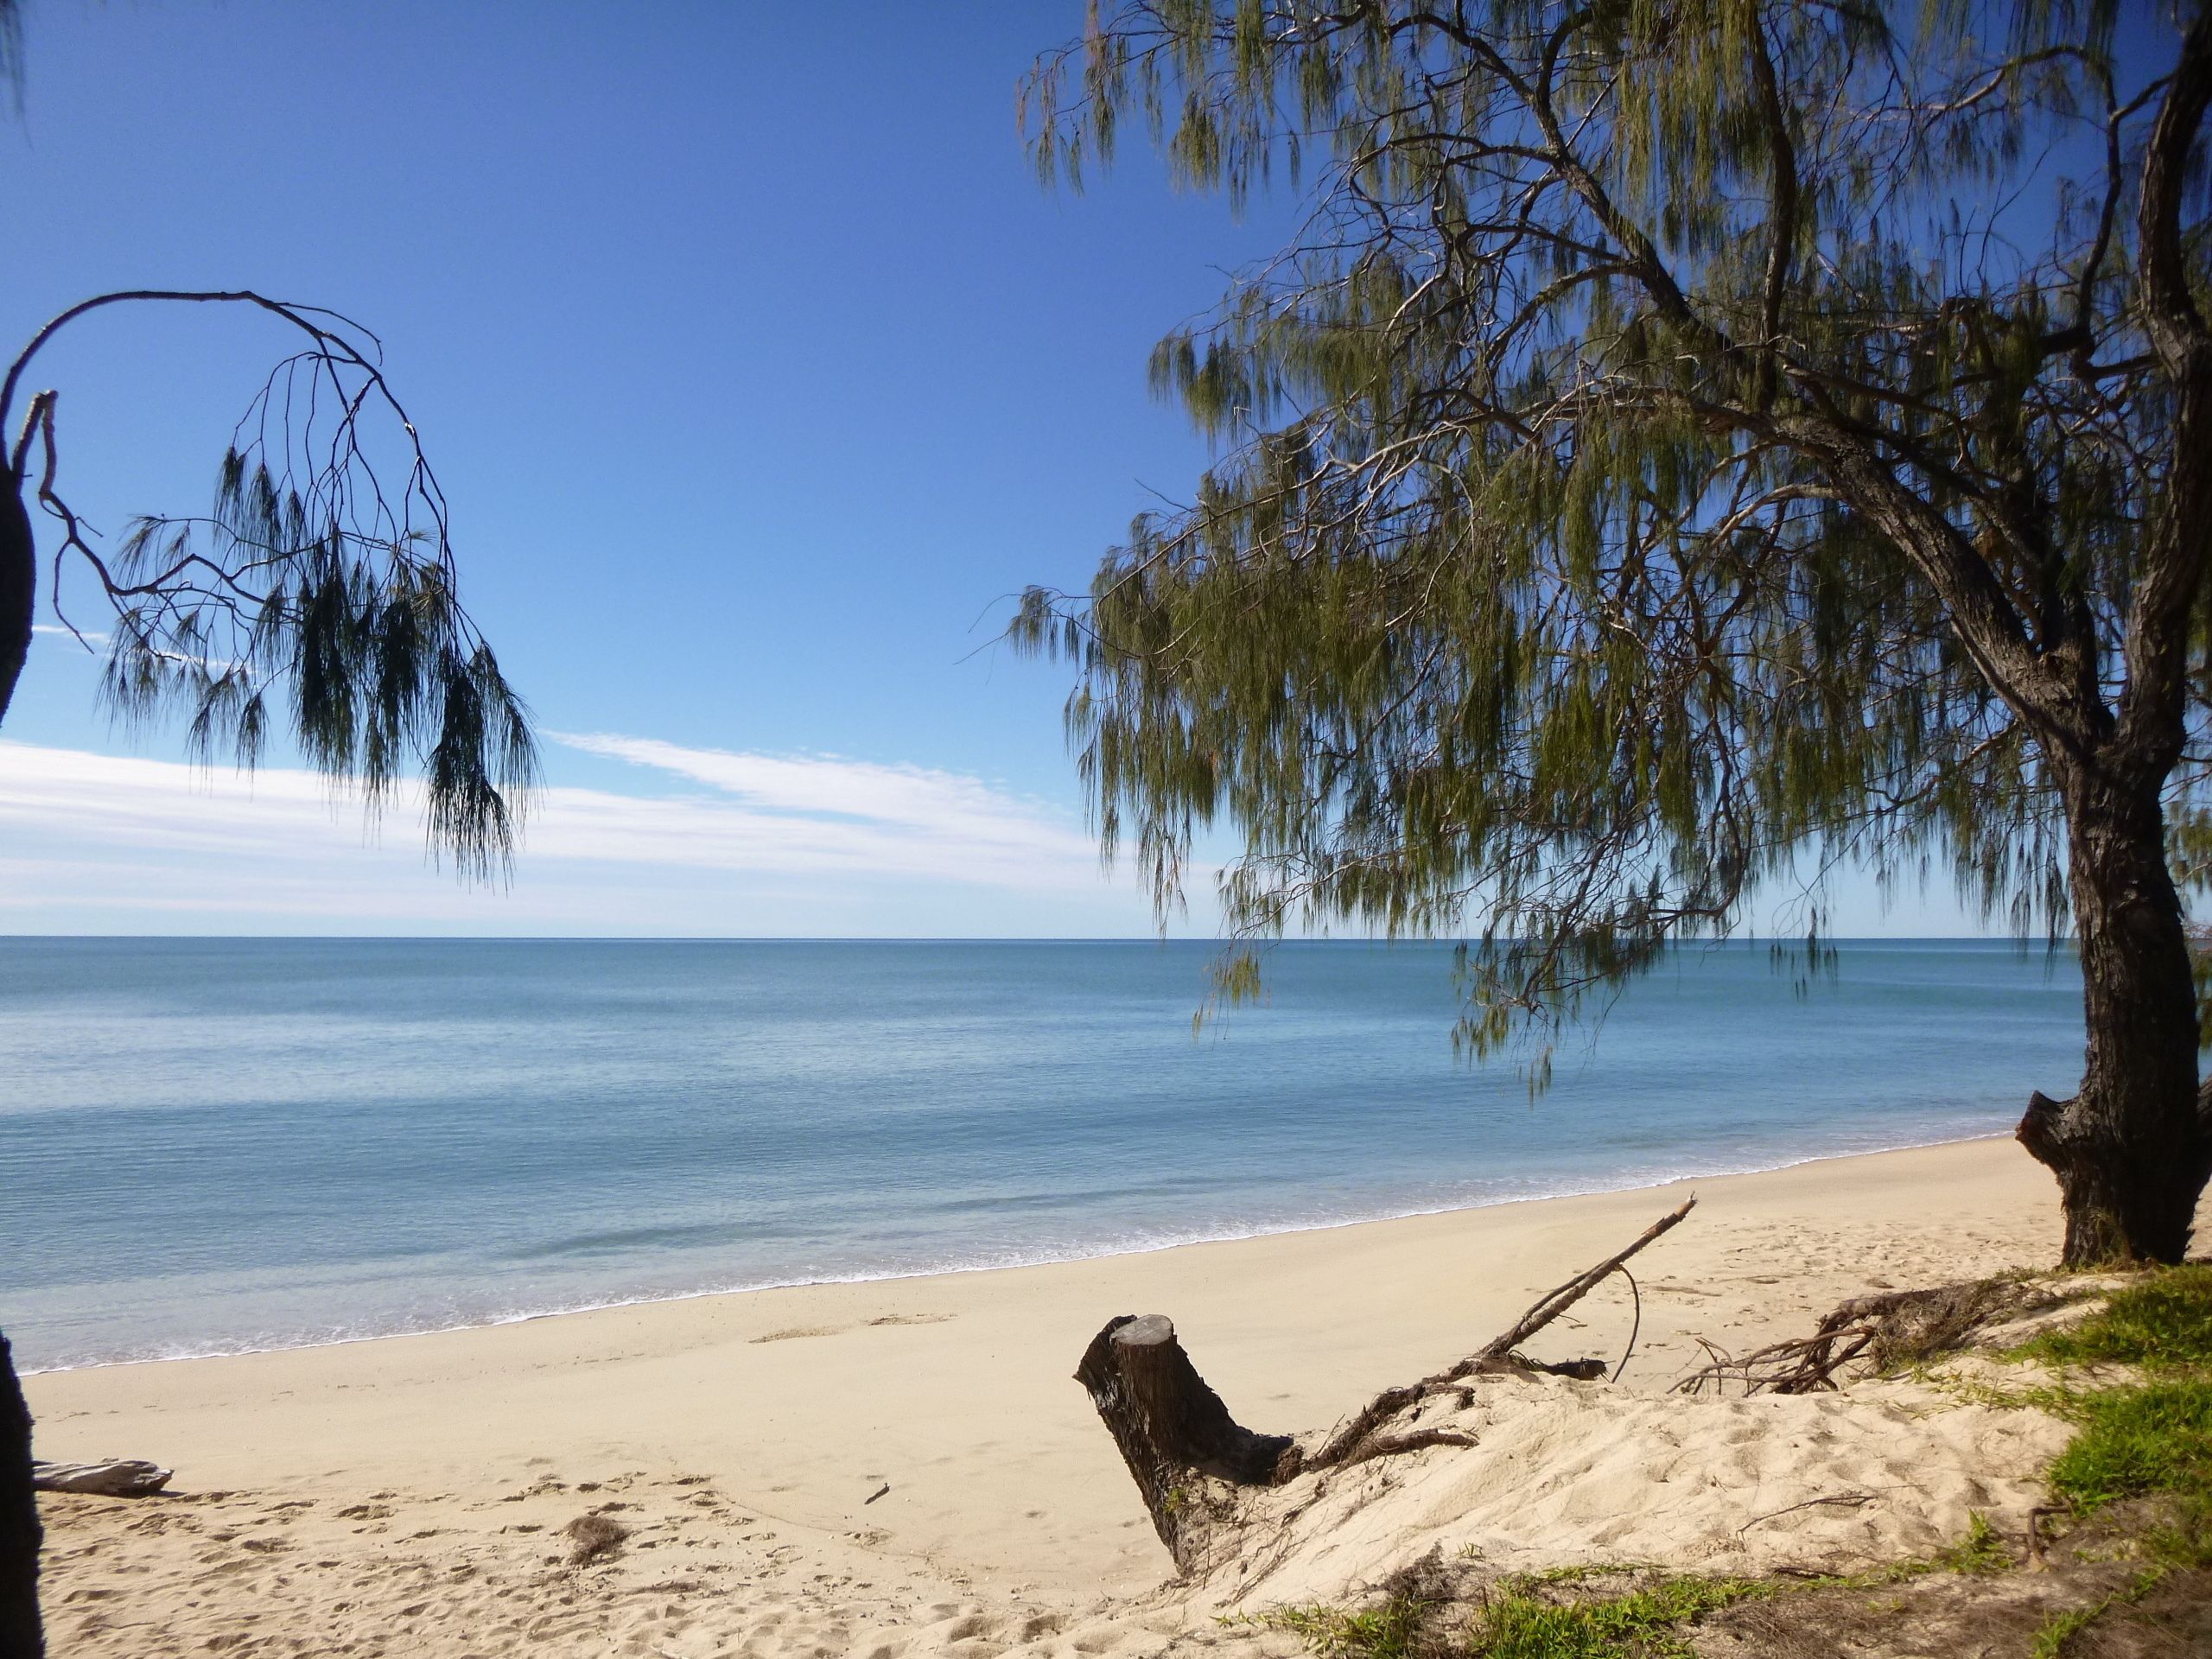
x=1980, y=1551
x=1649, y=1621
x=2146, y=1439
x=2153, y=1438
x=2061, y=1628
x=2163, y=1323
x=1385, y=1632
x=1517, y=1624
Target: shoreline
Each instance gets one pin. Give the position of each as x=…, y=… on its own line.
x=1079, y=1255
x=910, y=1459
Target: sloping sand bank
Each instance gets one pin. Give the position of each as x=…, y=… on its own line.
x=405, y=1496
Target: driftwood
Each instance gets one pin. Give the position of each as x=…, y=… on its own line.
x=1188, y=1455
x=116, y=1478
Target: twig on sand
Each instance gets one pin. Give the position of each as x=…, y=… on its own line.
x=1634, y=1324
x=2037, y=1563
x=877, y=1493
x=1842, y=1500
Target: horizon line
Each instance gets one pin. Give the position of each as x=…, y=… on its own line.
x=1746, y=938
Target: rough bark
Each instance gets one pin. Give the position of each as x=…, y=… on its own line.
x=1172, y=1430
x=20, y=1535
x=2132, y=1150
x=18, y=587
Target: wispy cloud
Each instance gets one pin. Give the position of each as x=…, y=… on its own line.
x=925, y=812
x=772, y=843
x=89, y=636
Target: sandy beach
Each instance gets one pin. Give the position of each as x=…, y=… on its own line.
x=407, y=1496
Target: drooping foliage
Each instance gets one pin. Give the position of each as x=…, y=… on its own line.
x=318, y=596
x=1690, y=444
x=12, y=48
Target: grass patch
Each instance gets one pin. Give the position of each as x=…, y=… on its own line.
x=1648, y=1621
x=1385, y=1632
x=2061, y=1628
x=1517, y=1622
x=2154, y=1438
x=2147, y=1440
x=1980, y=1551
x=2163, y=1323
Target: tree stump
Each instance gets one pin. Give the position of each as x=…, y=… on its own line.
x=1172, y=1430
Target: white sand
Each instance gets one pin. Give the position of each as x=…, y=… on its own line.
x=404, y=1497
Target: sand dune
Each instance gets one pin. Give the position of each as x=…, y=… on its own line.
x=407, y=1496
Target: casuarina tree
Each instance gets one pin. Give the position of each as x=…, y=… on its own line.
x=1687, y=446
x=316, y=600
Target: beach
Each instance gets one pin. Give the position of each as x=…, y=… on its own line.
x=406, y=1494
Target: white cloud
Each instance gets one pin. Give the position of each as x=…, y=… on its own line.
x=88, y=636
x=926, y=812
x=777, y=844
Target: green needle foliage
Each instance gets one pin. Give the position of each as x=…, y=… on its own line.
x=319, y=596
x=1689, y=445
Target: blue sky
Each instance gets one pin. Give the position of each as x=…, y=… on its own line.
x=759, y=372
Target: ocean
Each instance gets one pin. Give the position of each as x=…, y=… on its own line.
x=214, y=1146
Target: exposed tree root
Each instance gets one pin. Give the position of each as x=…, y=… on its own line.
x=1898, y=1327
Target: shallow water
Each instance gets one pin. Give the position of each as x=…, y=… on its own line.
x=215, y=1145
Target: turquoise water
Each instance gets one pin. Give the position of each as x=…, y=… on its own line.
x=215, y=1145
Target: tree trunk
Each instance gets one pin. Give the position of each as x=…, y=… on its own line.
x=2132, y=1150
x=18, y=587
x=19, y=1529
x=1172, y=1430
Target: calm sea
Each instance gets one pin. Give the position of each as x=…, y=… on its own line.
x=209, y=1145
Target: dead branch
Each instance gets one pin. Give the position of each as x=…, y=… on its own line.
x=1556, y=1302
x=1349, y=1444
